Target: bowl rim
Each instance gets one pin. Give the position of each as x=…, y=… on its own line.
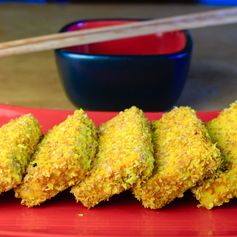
x=187, y=49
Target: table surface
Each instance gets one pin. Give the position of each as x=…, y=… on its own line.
x=33, y=80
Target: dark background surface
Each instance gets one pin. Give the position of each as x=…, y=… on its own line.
x=99, y=1
x=33, y=80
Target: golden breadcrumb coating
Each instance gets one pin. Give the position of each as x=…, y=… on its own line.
x=18, y=140
x=184, y=155
x=62, y=158
x=223, y=186
x=125, y=157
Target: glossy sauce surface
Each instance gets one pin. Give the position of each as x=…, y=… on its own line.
x=154, y=44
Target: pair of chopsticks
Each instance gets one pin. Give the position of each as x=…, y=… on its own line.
x=61, y=40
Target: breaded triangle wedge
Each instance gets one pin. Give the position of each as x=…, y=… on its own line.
x=18, y=141
x=184, y=155
x=222, y=186
x=125, y=157
x=61, y=160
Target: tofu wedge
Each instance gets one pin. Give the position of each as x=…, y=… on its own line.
x=125, y=157
x=18, y=141
x=222, y=186
x=61, y=160
x=184, y=155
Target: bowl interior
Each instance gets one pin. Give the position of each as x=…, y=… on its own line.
x=154, y=44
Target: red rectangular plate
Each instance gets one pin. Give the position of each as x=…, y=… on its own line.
x=123, y=215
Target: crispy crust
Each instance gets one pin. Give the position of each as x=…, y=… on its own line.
x=184, y=155
x=125, y=157
x=18, y=140
x=62, y=158
x=223, y=186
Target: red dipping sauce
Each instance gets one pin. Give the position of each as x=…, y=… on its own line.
x=154, y=44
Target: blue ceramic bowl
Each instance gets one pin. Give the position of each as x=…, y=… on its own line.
x=147, y=71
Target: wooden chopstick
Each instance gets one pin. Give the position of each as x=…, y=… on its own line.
x=66, y=39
